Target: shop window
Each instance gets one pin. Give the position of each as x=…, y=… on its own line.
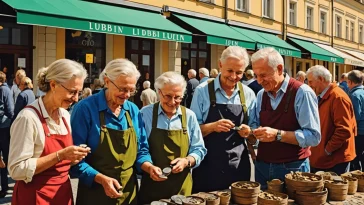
x=14, y=34
x=80, y=43
x=194, y=56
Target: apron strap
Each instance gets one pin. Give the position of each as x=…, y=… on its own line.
x=128, y=118
x=212, y=95
x=155, y=115
x=184, y=121
x=242, y=100
x=102, y=118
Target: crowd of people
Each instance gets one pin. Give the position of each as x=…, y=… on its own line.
x=189, y=136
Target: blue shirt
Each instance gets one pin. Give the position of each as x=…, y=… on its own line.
x=204, y=79
x=197, y=146
x=24, y=98
x=201, y=99
x=356, y=95
x=6, y=106
x=85, y=123
x=306, y=109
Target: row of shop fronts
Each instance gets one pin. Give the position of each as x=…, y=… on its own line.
x=34, y=33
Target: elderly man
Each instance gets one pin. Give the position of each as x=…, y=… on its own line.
x=222, y=107
x=356, y=94
x=287, y=117
x=204, y=75
x=301, y=76
x=343, y=83
x=191, y=86
x=148, y=95
x=15, y=91
x=252, y=82
x=338, y=125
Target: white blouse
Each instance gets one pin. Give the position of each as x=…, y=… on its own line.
x=27, y=139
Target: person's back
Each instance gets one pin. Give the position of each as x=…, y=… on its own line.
x=148, y=96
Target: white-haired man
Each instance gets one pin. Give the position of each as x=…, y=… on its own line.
x=338, y=125
x=148, y=95
x=204, y=74
x=286, y=119
x=301, y=76
x=222, y=107
x=344, y=83
x=191, y=86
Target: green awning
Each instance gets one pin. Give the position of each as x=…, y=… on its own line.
x=95, y=17
x=317, y=52
x=269, y=40
x=219, y=33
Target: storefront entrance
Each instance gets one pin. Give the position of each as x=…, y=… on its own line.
x=195, y=56
x=141, y=52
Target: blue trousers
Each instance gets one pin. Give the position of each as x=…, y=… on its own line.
x=267, y=171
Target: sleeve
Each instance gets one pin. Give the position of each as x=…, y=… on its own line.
x=143, y=146
x=9, y=111
x=308, y=118
x=358, y=107
x=342, y=115
x=23, y=133
x=197, y=148
x=81, y=125
x=197, y=105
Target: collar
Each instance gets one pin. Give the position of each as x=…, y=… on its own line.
x=356, y=88
x=101, y=99
x=160, y=111
x=325, y=91
x=285, y=83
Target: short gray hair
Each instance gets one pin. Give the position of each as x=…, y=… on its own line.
x=319, y=70
x=344, y=75
x=270, y=54
x=214, y=72
x=301, y=73
x=118, y=67
x=235, y=52
x=146, y=84
x=249, y=73
x=61, y=71
x=170, y=78
x=192, y=72
x=356, y=76
x=204, y=71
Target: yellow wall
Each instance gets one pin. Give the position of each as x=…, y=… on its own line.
x=61, y=43
x=119, y=47
x=165, y=57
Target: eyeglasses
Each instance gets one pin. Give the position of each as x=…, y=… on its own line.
x=72, y=92
x=264, y=76
x=177, y=99
x=124, y=90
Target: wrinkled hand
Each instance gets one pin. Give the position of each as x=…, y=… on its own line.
x=180, y=165
x=244, y=131
x=155, y=172
x=73, y=153
x=265, y=134
x=111, y=186
x=223, y=125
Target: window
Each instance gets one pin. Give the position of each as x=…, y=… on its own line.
x=338, y=26
x=361, y=34
x=352, y=27
x=347, y=30
x=268, y=8
x=292, y=13
x=323, y=22
x=208, y=1
x=309, y=18
x=242, y=5
x=14, y=34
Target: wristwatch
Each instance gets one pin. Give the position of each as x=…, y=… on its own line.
x=279, y=136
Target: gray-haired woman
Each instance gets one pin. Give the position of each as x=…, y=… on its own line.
x=173, y=139
x=108, y=123
x=41, y=147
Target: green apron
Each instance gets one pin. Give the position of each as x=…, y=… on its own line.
x=165, y=146
x=114, y=157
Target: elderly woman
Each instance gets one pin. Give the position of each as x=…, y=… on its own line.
x=25, y=97
x=86, y=93
x=173, y=139
x=108, y=123
x=41, y=147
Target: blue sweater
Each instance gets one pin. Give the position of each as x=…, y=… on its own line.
x=357, y=98
x=24, y=98
x=6, y=106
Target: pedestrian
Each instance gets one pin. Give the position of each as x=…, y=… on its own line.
x=173, y=139
x=286, y=119
x=20, y=74
x=148, y=95
x=87, y=92
x=6, y=116
x=41, y=148
x=97, y=86
x=25, y=97
x=338, y=126
x=203, y=74
x=252, y=82
x=344, y=83
x=222, y=107
x=192, y=83
x=214, y=73
x=108, y=123
x=301, y=76
x=356, y=94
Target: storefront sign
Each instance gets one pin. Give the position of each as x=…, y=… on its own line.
x=21, y=62
x=353, y=62
x=230, y=42
x=282, y=51
x=89, y=58
x=139, y=32
x=333, y=59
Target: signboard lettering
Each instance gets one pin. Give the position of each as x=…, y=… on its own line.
x=231, y=43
